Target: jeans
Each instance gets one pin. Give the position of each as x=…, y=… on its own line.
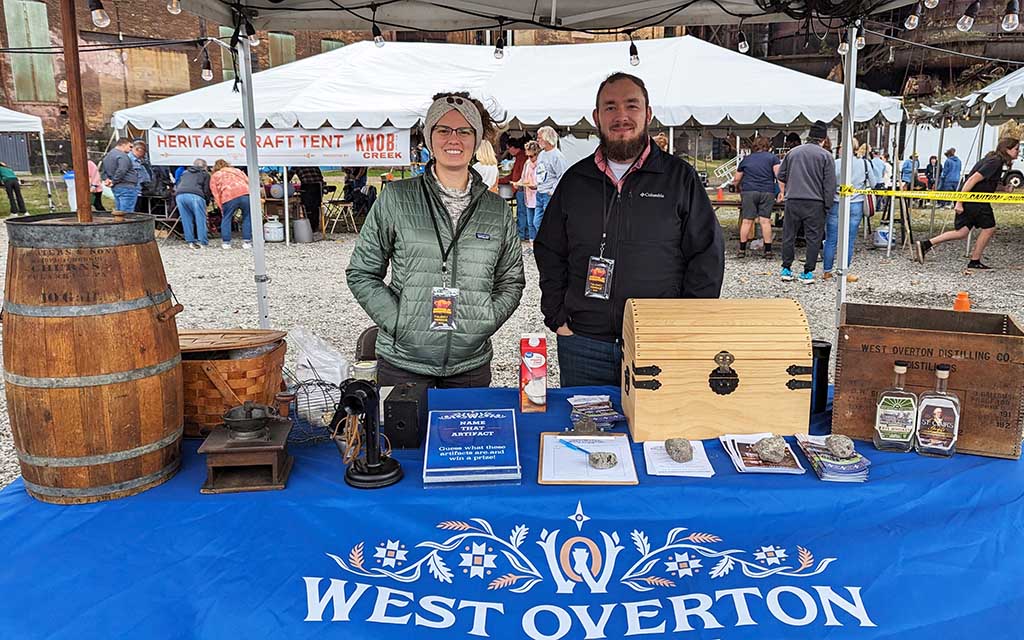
x=586, y=362
x=523, y=215
x=832, y=234
x=125, y=198
x=389, y=375
x=192, y=209
x=809, y=214
x=13, y=187
x=228, y=212
x=538, y=213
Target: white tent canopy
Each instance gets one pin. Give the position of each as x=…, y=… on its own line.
x=1003, y=99
x=691, y=82
x=23, y=122
x=17, y=121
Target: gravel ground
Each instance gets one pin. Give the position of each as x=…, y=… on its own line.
x=308, y=288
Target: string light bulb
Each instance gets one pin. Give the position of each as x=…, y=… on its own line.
x=966, y=21
x=99, y=16
x=499, y=48
x=743, y=45
x=860, y=42
x=931, y=4
x=1011, y=18
x=207, y=72
x=914, y=19
x=378, y=37
x=844, y=46
x=250, y=33
x=174, y=7
x=634, y=54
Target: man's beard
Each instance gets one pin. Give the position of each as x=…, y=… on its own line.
x=623, y=150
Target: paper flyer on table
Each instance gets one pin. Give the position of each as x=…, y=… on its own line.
x=660, y=464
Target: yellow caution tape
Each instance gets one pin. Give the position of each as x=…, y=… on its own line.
x=957, y=196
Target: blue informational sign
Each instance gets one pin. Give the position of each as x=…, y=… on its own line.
x=471, y=445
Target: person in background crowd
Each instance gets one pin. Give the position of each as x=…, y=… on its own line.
x=662, y=141
x=145, y=176
x=417, y=156
x=192, y=195
x=515, y=149
x=792, y=140
x=882, y=170
x=629, y=221
x=551, y=164
x=119, y=173
x=95, y=187
x=527, y=188
x=456, y=265
x=487, y=165
x=862, y=176
x=807, y=181
x=756, y=178
x=13, y=187
x=178, y=172
x=931, y=172
x=950, y=178
x=312, y=193
x=908, y=172
x=984, y=177
x=230, y=188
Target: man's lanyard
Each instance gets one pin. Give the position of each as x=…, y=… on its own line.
x=607, y=204
x=463, y=223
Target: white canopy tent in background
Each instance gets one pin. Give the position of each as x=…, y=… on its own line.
x=471, y=14
x=22, y=122
x=361, y=84
x=1003, y=99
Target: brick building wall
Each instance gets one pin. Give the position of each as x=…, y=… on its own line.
x=117, y=79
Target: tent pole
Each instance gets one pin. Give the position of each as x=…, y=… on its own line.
x=938, y=173
x=46, y=172
x=981, y=145
x=671, y=140
x=253, y=168
x=846, y=170
x=894, y=133
x=287, y=183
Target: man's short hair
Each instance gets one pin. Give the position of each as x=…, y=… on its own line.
x=518, y=143
x=122, y=141
x=615, y=77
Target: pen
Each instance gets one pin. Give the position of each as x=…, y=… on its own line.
x=573, y=447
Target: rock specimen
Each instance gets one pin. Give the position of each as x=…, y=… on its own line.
x=840, y=446
x=603, y=460
x=772, y=449
x=679, y=449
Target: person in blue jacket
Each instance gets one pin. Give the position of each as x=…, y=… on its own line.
x=950, y=178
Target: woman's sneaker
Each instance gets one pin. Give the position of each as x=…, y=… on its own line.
x=977, y=264
x=786, y=275
x=225, y=245
x=247, y=245
x=807, y=278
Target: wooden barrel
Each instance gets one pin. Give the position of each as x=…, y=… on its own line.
x=92, y=364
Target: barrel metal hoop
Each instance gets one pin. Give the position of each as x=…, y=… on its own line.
x=105, y=458
x=77, y=311
x=92, y=381
x=90, y=492
x=34, y=233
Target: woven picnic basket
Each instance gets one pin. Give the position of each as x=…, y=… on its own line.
x=225, y=373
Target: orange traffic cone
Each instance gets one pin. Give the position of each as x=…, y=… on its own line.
x=962, y=302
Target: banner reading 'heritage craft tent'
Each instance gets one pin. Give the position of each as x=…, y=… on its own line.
x=355, y=147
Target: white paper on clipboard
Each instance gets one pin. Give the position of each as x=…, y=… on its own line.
x=562, y=465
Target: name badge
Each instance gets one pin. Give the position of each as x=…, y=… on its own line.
x=442, y=308
x=599, y=278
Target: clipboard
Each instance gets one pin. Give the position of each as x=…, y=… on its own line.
x=624, y=473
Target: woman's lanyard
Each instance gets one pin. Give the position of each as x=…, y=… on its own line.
x=464, y=222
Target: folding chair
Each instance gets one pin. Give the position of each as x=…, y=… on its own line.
x=337, y=210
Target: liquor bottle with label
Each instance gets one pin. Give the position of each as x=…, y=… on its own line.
x=896, y=414
x=938, y=422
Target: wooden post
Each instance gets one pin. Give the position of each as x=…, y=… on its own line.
x=76, y=110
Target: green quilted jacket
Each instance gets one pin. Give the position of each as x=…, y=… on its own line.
x=486, y=265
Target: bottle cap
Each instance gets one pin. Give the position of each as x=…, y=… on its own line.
x=942, y=371
x=900, y=366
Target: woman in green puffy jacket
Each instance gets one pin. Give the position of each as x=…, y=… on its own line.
x=454, y=255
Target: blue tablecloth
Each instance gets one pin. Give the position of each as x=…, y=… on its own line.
x=927, y=549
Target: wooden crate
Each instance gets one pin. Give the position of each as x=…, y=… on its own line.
x=669, y=351
x=984, y=350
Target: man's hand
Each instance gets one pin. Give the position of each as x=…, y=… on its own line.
x=108, y=182
x=564, y=330
x=780, y=197
x=959, y=207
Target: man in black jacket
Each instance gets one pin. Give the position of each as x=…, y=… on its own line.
x=630, y=221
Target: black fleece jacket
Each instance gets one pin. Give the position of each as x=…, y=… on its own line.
x=661, y=232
